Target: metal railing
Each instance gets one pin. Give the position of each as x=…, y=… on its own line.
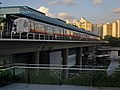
x=58, y=74
x=34, y=36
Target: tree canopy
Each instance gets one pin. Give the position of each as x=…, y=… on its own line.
x=113, y=41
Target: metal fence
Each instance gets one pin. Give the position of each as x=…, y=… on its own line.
x=59, y=74
x=34, y=36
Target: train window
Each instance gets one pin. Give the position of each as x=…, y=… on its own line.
x=56, y=30
x=49, y=29
x=65, y=31
x=72, y=33
x=36, y=26
x=69, y=32
x=79, y=34
x=61, y=31
x=41, y=27
x=25, y=24
x=1, y=26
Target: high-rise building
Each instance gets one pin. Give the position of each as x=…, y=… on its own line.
x=102, y=30
x=97, y=29
x=107, y=29
x=118, y=28
x=114, y=29
x=83, y=23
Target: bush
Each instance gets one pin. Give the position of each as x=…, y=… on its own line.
x=95, y=78
x=5, y=77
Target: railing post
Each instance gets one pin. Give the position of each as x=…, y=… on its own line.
x=39, y=36
x=27, y=35
x=48, y=37
x=44, y=37
x=11, y=35
x=33, y=35
x=1, y=34
x=19, y=35
x=52, y=37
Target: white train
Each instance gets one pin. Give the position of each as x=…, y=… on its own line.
x=25, y=25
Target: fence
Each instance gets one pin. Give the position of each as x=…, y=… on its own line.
x=57, y=75
x=34, y=36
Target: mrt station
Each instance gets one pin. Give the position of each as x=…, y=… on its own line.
x=28, y=38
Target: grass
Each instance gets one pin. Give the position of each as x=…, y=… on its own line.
x=84, y=78
x=38, y=77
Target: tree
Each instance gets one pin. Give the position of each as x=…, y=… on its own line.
x=108, y=37
x=113, y=41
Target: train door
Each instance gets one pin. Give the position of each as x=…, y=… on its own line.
x=32, y=27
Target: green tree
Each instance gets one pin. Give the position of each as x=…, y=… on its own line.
x=108, y=37
x=113, y=41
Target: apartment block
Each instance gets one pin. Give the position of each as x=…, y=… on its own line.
x=83, y=23
x=112, y=29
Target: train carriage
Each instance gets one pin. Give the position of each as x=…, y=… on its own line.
x=28, y=20
x=24, y=25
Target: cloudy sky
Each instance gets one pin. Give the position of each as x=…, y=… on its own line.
x=95, y=11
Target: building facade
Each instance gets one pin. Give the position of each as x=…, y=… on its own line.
x=102, y=30
x=97, y=29
x=83, y=23
x=112, y=29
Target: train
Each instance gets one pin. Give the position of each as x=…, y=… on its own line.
x=27, y=25
x=25, y=20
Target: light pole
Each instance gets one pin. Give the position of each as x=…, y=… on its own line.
x=0, y=4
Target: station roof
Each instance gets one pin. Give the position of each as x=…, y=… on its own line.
x=34, y=14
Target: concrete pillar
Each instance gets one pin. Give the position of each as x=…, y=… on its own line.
x=35, y=58
x=85, y=59
x=94, y=58
x=79, y=57
x=65, y=62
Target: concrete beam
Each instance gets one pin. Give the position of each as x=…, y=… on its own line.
x=35, y=58
x=8, y=47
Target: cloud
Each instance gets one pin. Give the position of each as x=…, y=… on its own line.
x=61, y=15
x=69, y=2
x=116, y=10
x=56, y=2
x=65, y=16
x=45, y=10
x=65, y=2
x=97, y=2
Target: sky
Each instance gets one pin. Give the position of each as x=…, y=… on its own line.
x=95, y=11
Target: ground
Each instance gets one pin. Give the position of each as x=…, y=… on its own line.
x=22, y=86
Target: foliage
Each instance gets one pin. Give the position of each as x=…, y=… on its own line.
x=96, y=78
x=113, y=41
x=5, y=77
x=38, y=77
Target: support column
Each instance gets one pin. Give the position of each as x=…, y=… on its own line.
x=94, y=59
x=85, y=59
x=79, y=57
x=35, y=58
x=65, y=62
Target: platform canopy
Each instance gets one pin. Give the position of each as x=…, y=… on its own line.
x=37, y=15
